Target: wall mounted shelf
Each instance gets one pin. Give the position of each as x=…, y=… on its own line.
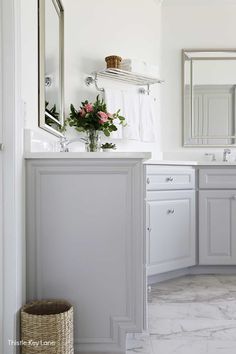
x=123, y=76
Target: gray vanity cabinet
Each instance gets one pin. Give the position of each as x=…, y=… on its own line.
x=217, y=216
x=170, y=218
x=85, y=243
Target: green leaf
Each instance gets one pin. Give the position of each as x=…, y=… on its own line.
x=72, y=108
x=113, y=128
x=79, y=129
x=106, y=132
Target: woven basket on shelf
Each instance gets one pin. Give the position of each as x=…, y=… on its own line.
x=47, y=327
x=113, y=61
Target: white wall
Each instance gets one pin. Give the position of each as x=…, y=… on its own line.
x=29, y=58
x=93, y=30
x=189, y=24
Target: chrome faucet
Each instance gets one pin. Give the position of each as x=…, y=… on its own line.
x=64, y=142
x=212, y=155
x=226, y=154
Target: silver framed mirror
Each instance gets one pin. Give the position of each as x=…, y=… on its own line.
x=51, y=65
x=209, y=97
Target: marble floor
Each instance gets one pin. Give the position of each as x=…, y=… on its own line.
x=190, y=315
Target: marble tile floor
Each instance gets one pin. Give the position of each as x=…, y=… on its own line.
x=190, y=315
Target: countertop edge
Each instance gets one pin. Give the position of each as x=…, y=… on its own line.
x=172, y=163
x=144, y=156
x=189, y=163
x=87, y=155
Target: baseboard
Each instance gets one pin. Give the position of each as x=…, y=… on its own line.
x=213, y=270
x=197, y=270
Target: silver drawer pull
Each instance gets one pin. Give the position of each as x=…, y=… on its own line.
x=148, y=180
x=170, y=211
x=169, y=179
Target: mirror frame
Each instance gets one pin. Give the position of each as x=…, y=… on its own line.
x=185, y=135
x=41, y=66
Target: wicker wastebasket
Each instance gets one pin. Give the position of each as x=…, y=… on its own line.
x=47, y=327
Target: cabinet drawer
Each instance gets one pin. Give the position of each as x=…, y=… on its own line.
x=215, y=178
x=166, y=178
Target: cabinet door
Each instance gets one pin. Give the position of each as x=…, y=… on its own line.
x=170, y=231
x=217, y=227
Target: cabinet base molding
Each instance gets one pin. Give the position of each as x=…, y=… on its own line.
x=197, y=270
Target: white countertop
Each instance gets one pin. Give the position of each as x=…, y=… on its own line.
x=189, y=163
x=216, y=163
x=146, y=156
x=88, y=155
x=168, y=162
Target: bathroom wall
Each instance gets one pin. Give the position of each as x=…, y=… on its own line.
x=29, y=59
x=189, y=24
x=93, y=30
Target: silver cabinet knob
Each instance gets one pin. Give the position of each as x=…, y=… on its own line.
x=149, y=229
x=170, y=211
x=1, y=146
x=148, y=180
x=169, y=179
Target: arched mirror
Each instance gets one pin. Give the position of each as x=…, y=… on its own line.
x=51, y=65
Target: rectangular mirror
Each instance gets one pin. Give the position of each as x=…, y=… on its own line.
x=209, y=89
x=51, y=65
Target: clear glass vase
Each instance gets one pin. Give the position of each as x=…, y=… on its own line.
x=93, y=143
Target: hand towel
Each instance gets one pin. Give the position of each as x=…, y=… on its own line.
x=132, y=114
x=114, y=102
x=148, y=119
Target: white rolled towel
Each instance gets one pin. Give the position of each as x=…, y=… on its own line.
x=133, y=65
x=141, y=67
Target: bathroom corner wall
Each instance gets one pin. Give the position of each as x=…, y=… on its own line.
x=189, y=24
x=93, y=30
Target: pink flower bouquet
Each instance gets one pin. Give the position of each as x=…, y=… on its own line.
x=94, y=116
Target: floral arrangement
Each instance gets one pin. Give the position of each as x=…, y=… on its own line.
x=94, y=116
